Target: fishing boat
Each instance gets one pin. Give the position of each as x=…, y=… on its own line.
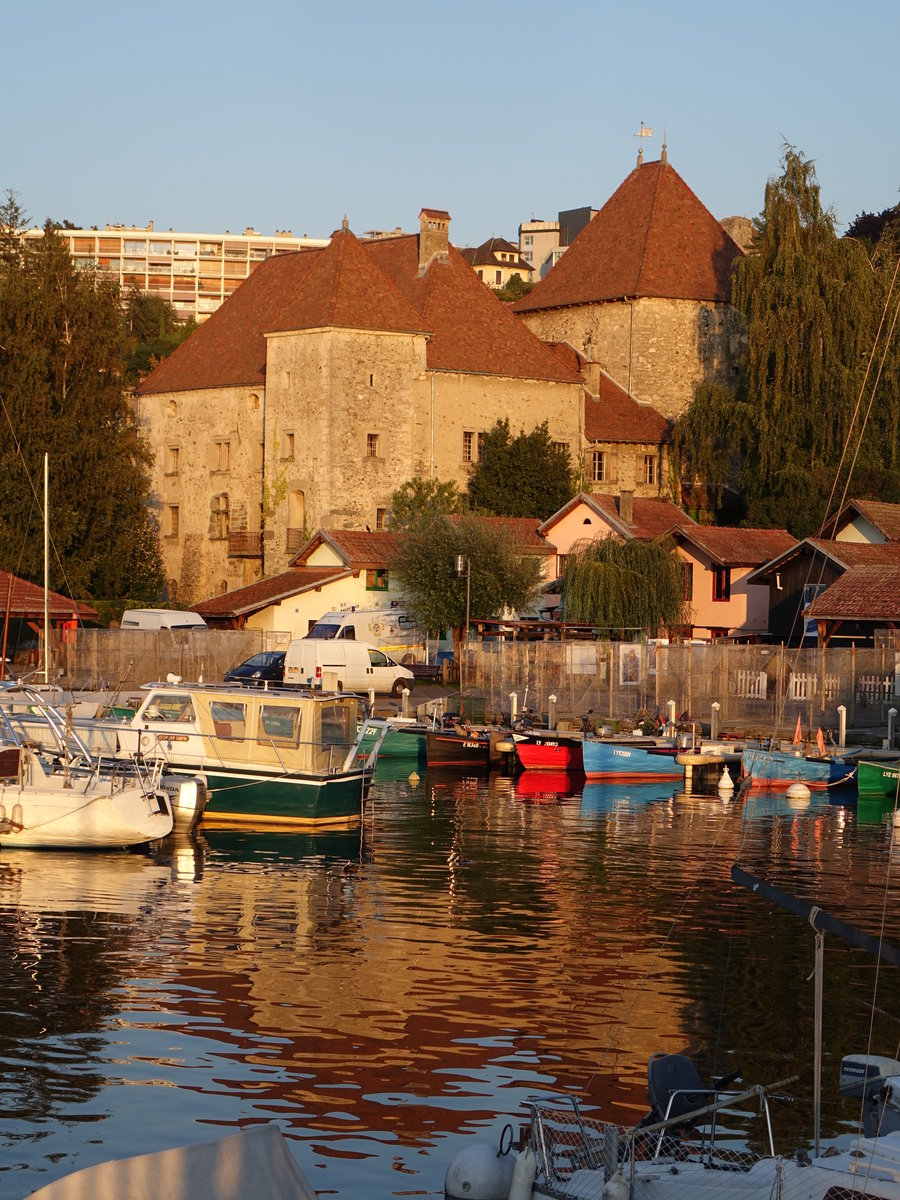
x=548, y=750
x=458, y=746
x=631, y=759
x=404, y=739
x=255, y=1162
x=694, y=1141
x=878, y=777
x=279, y=757
x=779, y=768
x=64, y=798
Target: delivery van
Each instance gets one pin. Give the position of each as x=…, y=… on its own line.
x=390, y=629
x=346, y=665
x=161, y=618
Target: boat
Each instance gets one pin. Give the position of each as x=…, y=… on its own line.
x=548, y=750
x=878, y=777
x=255, y=1162
x=404, y=739
x=779, y=768
x=64, y=798
x=280, y=757
x=694, y=1140
x=631, y=759
x=458, y=746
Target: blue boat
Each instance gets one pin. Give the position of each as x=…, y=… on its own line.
x=781, y=768
x=631, y=760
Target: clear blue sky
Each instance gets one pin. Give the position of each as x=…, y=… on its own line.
x=287, y=115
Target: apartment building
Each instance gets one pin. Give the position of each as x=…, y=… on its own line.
x=195, y=272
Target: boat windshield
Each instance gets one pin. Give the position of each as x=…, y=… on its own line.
x=170, y=706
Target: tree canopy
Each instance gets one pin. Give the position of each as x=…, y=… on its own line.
x=624, y=587
x=418, y=500
x=523, y=476
x=514, y=289
x=61, y=393
x=152, y=329
x=790, y=430
x=500, y=576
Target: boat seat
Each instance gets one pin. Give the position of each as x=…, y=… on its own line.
x=674, y=1077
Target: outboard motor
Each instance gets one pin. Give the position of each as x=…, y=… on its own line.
x=876, y=1081
x=673, y=1077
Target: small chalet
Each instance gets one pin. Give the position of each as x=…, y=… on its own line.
x=496, y=261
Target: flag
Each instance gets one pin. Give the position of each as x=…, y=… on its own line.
x=798, y=732
x=820, y=741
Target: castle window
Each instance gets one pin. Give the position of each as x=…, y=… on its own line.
x=288, y=446
x=371, y=379
x=650, y=468
x=371, y=445
x=173, y=456
x=380, y=517
x=220, y=516
x=598, y=466
x=173, y=514
x=468, y=441
x=222, y=456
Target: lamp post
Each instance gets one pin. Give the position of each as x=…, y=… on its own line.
x=463, y=564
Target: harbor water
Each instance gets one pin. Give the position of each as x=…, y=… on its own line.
x=387, y=995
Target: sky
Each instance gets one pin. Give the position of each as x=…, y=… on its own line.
x=282, y=114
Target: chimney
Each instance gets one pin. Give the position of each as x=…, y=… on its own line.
x=626, y=507
x=434, y=237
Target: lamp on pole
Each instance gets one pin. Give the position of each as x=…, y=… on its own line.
x=464, y=565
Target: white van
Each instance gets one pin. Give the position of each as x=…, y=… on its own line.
x=390, y=629
x=161, y=618
x=346, y=665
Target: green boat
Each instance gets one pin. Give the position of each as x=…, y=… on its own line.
x=878, y=777
x=404, y=739
x=277, y=758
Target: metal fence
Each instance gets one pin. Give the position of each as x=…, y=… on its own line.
x=757, y=688
x=101, y=659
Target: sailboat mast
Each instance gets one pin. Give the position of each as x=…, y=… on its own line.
x=46, y=571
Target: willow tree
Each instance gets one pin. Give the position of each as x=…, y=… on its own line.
x=813, y=304
x=624, y=587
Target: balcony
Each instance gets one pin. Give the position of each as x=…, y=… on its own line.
x=245, y=544
x=295, y=539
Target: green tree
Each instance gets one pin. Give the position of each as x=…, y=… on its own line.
x=61, y=393
x=524, y=476
x=624, y=586
x=421, y=499
x=500, y=576
x=813, y=304
x=514, y=289
x=152, y=330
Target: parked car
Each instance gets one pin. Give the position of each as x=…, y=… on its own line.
x=345, y=665
x=265, y=667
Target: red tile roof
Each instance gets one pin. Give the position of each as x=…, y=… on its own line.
x=737, y=547
x=346, y=290
x=487, y=254
x=884, y=516
x=369, y=285
x=653, y=237
x=358, y=549
x=650, y=518
x=27, y=600
x=614, y=416
x=229, y=349
x=246, y=600
x=525, y=530
x=863, y=593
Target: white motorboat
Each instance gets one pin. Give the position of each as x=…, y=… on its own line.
x=255, y=1162
x=695, y=1141
x=67, y=798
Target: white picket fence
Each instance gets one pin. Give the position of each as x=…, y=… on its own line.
x=804, y=687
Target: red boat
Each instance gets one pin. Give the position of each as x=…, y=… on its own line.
x=548, y=750
x=458, y=748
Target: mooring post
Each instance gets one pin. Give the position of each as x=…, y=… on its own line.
x=714, y=722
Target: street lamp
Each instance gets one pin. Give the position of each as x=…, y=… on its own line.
x=464, y=565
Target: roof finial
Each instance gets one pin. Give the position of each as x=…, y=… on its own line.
x=345, y=224
x=664, y=157
x=644, y=131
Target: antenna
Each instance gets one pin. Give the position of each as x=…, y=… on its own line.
x=644, y=132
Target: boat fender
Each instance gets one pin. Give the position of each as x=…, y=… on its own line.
x=479, y=1173
x=523, y=1175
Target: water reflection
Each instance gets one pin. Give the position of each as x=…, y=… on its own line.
x=385, y=993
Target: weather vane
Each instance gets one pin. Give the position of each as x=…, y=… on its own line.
x=644, y=132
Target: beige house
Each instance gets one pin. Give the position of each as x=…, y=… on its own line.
x=644, y=290
x=327, y=380
x=496, y=261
